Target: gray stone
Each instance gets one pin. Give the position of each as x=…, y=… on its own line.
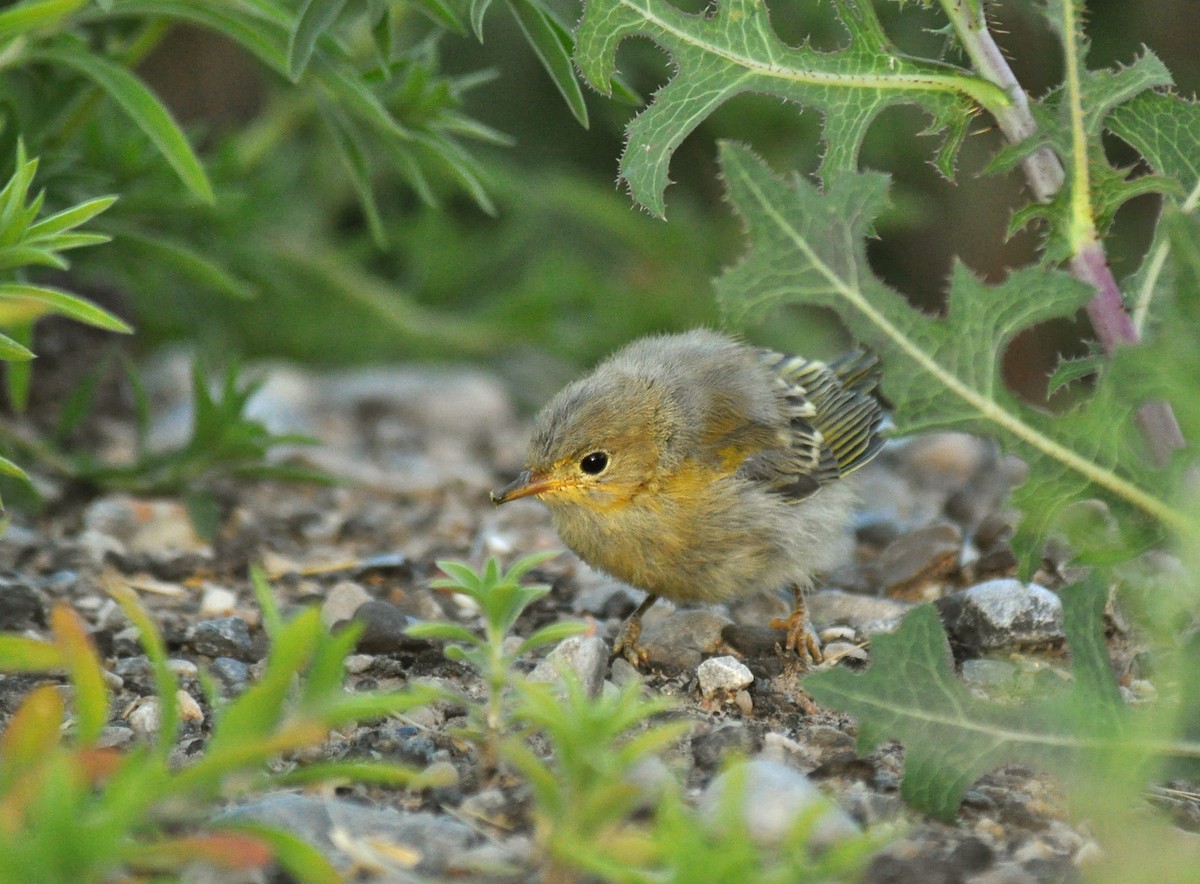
x=681, y=639
x=774, y=797
x=21, y=607
x=723, y=674
x=1002, y=613
x=915, y=565
x=399, y=844
x=232, y=675
x=223, y=637
x=711, y=748
x=584, y=655
x=985, y=673
x=342, y=602
x=831, y=607
x=384, y=628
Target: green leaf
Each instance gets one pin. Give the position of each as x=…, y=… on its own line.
x=551, y=634
x=27, y=302
x=910, y=693
x=552, y=44
x=478, y=10
x=734, y=50
x=8, y=468
x=808, y=246
x=86, y=674
x=21, y=654
x=68, y=219
x=315, y=18
x=142, y=107
x=1068, y=371
x=35, y=15
x=12, y=351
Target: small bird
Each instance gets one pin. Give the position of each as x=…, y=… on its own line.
x=700, y=468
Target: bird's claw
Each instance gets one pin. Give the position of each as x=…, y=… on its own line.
x=626, y=643
x=801, y=639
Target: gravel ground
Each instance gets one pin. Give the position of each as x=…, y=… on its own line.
x=419, y=451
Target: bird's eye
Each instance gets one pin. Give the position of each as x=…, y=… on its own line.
x=595, y=463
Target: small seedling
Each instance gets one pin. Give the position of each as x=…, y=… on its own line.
x=501, y=600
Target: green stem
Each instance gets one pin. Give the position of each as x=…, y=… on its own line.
x=1045, y=174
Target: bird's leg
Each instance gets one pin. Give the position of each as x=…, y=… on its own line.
x=801, y=638
x=626, y=642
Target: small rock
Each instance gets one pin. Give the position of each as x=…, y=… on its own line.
x=343, y=601
x=217, y=601
x=727, y=674
x=622, y=672
x=584, y=655
x=914, y=566
x=114, y=736
x=21, y=607
x=712, y=747
x=355, y=837
x=834, y=606
x=181, y=668
x=357, y=664
x=223, y=637
x=144, y=526
x=384, y=628
x=189, y=710
x=774, y=797
x=492, y=806
x=679, y=640
x=233, y=675
x=1002, y=613
x=985, y=673
x=143, y=718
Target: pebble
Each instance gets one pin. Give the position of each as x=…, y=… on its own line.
x=142, y=526
x=986, y=673
x=357, y=664
x=622, y=672
x=189, y=710
x=679, y=641
x=834, y=606
x=223, y=637
x=217, y=601
x=21, y=607
x=143, y=717
x=1002, y=613
x=356, y=837
x=711, y=748
x=233, y=675
x=114, y=736
x=723, y=674
x=384, y=628
x=914, y=566
x=774, y=797
x=586, y=656
x=342, y=602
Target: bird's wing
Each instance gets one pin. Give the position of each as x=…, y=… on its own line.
x=833, y=419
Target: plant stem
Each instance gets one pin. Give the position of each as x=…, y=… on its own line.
x=1045, y=174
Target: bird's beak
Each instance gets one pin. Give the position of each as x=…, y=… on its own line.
x=527, y=484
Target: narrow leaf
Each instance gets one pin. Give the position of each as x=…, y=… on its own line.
x=25, y=302
x=315, y=18
x=553, y=45
x=147, y=113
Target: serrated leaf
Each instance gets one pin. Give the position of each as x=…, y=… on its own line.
x=910, y=693
x=734, y=50
x=146, y=111
x=808, y=246
x=1068, y=371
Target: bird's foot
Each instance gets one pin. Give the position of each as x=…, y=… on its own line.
x=801, y=637
x=626, y=643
